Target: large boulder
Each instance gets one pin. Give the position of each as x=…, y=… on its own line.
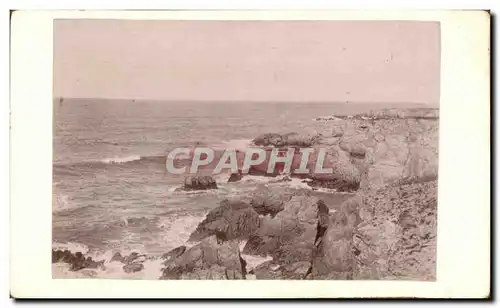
x=266, y=201
x=289, y=237
x=345, y=176
x=133, y=257
x=231, y=220
x=174, y=253
x=367, y=151
x=235, y=177
x=199, y=183
x=376, y=153
x=270, y=139
x=133, y=267
x=333, y=253
x=210, y=259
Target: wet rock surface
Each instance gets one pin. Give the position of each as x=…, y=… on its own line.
x=231, y=220
x=77, y=261
x=199, y=183
x=210, y=259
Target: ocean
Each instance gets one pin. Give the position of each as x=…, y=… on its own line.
x=111, y=190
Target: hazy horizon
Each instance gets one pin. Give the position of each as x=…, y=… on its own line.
x=95, y=99
x=388, y=62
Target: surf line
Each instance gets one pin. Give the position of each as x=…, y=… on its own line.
x=278, y=160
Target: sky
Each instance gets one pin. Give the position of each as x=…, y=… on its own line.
x=354, y=61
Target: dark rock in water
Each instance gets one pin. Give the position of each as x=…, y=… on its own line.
x=117, y=257
x=134, y=257
x=133, y=267
x=76, y=261
x=174, y=253
x=130, y=258
x=235, y=177
x=207, y=260
x=199, y=183
x=269, y=139
x=231, y=220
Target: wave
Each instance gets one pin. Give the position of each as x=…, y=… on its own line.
x=61, y=203
x=152, y=268
x=106, y=162
x=121, y=160
x=175, y=230
x=153, y=264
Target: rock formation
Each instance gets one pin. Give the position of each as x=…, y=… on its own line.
x=199, y=183
x=235, y=219
x=207, y=260
x=77, y=261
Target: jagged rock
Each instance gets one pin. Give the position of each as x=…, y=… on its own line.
x=272, y=271
x=389, y=233
x=235, y=219
x=235, y=177
x=117, y=257
x=289, y=237
x=333, y=253
x=207, y=260
x=134, y=257
x=340, y=186
x=269, y=139
x=300, y=140
x=133, y=267
x=77, y=261
x=345, y=176
x=174, y=253
x=290, y=139
x=367, y=151
x=199, y=183
x=266, y=201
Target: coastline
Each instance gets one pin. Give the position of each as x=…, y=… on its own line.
x=381, y=154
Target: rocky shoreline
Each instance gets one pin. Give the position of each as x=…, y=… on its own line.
x=386, y=230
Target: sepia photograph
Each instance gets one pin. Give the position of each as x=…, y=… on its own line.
x=245, y=149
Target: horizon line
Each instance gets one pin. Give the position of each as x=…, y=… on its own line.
x=241, y=101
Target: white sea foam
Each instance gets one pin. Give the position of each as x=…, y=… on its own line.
x=252, y=261
x=178, y=227
x=121, y=160
x=152, y=270
x=73, y=247
x=62, y=202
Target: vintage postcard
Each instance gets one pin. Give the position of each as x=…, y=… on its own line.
x=273, y=149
